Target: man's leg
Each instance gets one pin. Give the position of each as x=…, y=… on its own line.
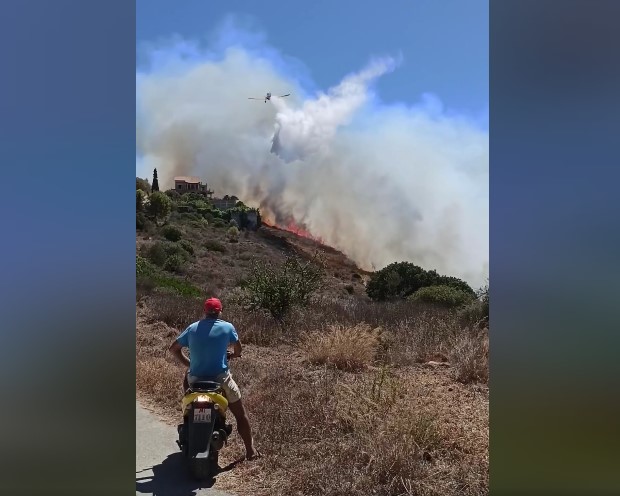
x=243, y=426
x=233, y=394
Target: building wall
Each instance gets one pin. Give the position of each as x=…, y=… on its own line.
x=224, y=204
x=183, y=187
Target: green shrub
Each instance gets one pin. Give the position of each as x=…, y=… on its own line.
x=401, y=279
x=174, y=263
x=172, y=233
x=446, y=296
x=160, y=205
x=140, y=196
x=476, y=313
x=233, y=234
x=192, y=197
x=144, y=267
x=199, y=223
x=277, y=289
x=180, y=286
x=158, y=252
x=219, y=222
x=215, y=245
x=149, y=275
x=144, y=224
x=140, y=221
x=209, y=217
x=143, y=184
x=173, y=194
x=155, y=253
x=187, y=246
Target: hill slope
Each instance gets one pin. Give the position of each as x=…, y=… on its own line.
x=346, y=396
x=218, y=265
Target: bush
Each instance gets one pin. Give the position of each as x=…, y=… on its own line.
x=347, y=348
x=192, y=197
x=215, y=245
x=158, y=252
x=174, y=263
x=219, y=222
x=144, y=267
x=187, y=246
x=143, y=184
x=446, y=296
x=172, y=233
x=155, y=253
x=149, y=275
x=476, y=313
x=140, y=196
x=483, y=297
x=233, y=234
x=401, y=279
x=141, y=221
x=160, y=205
x=173, y=194
x=278, y=289
x=200, y=223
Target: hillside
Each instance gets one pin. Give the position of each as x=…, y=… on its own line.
x=219, y=265
x=347, y=396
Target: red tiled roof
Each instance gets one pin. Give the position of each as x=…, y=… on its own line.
x=187, y=179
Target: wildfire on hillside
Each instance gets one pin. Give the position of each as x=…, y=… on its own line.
x=294, y=228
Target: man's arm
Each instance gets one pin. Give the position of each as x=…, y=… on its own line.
x=176, y=350
x=236, y=342
x=236, y=353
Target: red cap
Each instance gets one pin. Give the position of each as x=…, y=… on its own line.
x=213, y=305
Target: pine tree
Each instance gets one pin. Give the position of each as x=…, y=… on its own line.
x=155, y=186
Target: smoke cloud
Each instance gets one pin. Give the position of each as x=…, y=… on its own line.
x=382, y=183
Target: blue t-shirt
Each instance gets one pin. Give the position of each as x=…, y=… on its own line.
x=208, y=342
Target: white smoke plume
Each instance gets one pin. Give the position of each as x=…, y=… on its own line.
x=382, y=183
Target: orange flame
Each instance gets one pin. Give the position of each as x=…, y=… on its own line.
x=292, y=227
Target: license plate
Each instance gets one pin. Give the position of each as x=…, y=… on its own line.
x=202, y=415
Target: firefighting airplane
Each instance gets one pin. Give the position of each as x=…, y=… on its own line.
x=268, y=97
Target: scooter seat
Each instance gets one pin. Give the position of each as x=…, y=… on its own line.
x=202, y=386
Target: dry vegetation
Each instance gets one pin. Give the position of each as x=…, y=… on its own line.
x=341, y=395
x=347, y=348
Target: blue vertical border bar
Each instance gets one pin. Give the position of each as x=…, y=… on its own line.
x=67, y=156
x=554, y=247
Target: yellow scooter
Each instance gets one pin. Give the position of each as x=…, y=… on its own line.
x=204, y=430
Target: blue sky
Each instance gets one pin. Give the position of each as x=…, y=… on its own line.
x=443, y=43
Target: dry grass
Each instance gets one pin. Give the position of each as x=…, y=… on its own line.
x=172, y=309
x=347, y=348
x=338, y=407
x=396, y=430
x=470, y=357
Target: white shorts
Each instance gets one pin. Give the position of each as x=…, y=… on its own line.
x=233, y=394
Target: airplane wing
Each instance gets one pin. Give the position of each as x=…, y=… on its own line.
x=251, y=98
x=282, y=96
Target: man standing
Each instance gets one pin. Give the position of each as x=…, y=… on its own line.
x=208, y=340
